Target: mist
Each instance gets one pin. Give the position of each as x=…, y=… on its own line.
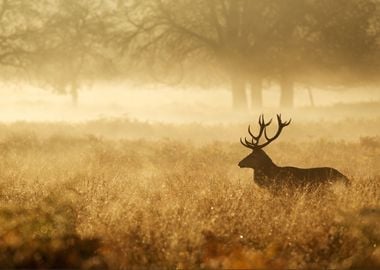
x=188, y=61
x=165, y=104
x=190, y=134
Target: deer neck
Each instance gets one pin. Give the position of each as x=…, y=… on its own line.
x=267, y=166
x=265, y=174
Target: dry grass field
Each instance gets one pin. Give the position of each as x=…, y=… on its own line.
x=85, y=196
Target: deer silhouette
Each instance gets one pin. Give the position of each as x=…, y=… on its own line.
x=268, y=175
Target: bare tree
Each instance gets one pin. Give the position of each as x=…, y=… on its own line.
x=66, y=43
x=196, y=33
x=72, y=50
x=338, y=46
x=19, y=25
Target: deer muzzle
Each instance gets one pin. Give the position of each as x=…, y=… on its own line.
x=242, y=164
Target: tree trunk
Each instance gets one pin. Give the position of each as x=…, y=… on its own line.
x=256, y=94
x=74, y=93
x=311, y=98
x=287, y=93
x=239, y=96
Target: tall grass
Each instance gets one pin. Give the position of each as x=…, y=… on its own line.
x=82, y=201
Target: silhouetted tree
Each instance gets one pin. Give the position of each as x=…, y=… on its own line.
x=20, y=25
x=345, y=44
x=196, y=33
x=249, y=41
x=72, y=50
x=65, y=43
x=290, y=41
x=347, y=39
x=323, y=42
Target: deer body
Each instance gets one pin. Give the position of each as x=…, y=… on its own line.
x=268, y=174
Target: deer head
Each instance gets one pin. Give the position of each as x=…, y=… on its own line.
x=258, y=159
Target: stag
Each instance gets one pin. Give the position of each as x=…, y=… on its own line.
x=268, y=175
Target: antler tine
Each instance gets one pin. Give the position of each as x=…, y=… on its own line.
x=284, y=124
x=281, y=125
x=268, y=123
x=241, y=141
x=246, y=144
x=263, y=125
x=254, y=144
x=262, y=121
x=266, y=136
x=250, y=132
x=253, y=136
x=265, y=131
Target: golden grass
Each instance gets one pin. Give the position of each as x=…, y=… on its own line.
x=80, y=201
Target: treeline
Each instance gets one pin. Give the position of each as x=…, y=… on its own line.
x=246, y=44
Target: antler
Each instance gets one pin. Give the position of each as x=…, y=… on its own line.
x=254, y=144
